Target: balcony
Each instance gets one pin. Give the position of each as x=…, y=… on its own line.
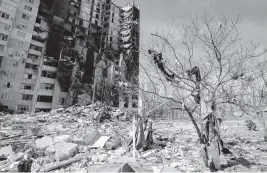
x=3, y=42
x=31, y=61
x=25, y=91
x=45, y=92
x=14, y=2
x=37, y=43
x=26, y=102
x=43, y=105
x=2, y=53
x=29, y=81
x=49, y=68
x=31, y=71
x=47, y=80
x=35, y=52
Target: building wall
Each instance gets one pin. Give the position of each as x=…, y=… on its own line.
x=17, y=46
x=23, y=48
x=8, y=75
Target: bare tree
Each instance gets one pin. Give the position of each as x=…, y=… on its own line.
x=257, y=95
x=213, y=71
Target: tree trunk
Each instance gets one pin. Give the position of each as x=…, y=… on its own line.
x=210, y=138
x=213, y=136
x=262, y=121
x=264, y=127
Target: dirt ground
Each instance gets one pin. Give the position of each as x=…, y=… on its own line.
x=183, y=151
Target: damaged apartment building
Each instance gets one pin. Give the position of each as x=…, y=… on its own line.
x=49, y=47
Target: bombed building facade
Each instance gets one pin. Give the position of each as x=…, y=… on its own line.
x=65, y=40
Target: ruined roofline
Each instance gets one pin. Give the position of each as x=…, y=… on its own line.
x=120, y=7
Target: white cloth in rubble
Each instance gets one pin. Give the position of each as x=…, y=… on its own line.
x=128, y=7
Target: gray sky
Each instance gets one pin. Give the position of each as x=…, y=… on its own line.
x=157, y=14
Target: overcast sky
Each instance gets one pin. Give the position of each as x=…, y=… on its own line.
x=160, y=14
x=157, y=14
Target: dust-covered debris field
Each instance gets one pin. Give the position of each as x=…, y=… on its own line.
x=65, y=140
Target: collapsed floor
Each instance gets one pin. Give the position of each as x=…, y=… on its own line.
x=66, y=140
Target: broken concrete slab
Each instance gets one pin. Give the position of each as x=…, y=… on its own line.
x=6, y=151
x=64, y=150
x=15, y=156
x=100, y=143
x=84, y=99
x=62, y=138
x=148, y=153
x=77, y=140
x=112, y=143
x=50, y=150
x=119, y=152
x=95, y=159
x=44, y=142
x=102, y=157
x=36, y=131
x=91, y=138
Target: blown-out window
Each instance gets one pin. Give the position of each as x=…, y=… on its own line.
x=27, y=97
x=46, y=99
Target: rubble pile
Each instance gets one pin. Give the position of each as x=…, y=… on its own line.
x=38, y=140
x=68, y=140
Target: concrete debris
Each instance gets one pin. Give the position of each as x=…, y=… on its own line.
x=92, y=137
x=102, y=157
x=15, y=156
x=175, y=164
x=51, y=150
x=112, y=143
x=65, y=150
x=35, y=132
x=84, y=99
x=44, y=142
x=67, y=140
x=169, y=169
x=77, y=140
x=6, y=151
x=101, y=142
x=62, y=138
